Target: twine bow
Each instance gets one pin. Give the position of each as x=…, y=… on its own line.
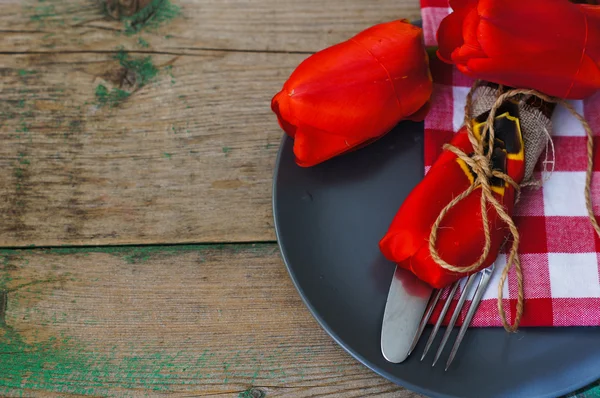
x=480, y=163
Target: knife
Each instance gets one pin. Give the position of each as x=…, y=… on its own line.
x=406, y=304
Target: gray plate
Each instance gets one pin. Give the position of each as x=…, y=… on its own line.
x=329, y=220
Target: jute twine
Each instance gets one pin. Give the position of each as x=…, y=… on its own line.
x=480, y=163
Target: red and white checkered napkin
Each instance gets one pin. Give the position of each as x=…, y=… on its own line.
x=559, y=250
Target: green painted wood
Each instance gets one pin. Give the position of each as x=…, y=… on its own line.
x=201, y=320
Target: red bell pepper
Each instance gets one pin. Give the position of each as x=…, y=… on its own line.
x=350, y=94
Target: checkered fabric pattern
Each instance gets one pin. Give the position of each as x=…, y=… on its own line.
x=559, y=249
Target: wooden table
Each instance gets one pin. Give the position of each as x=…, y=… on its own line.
x=139, y=256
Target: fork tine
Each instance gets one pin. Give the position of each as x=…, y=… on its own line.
x=440, y=319
x=459, y=305
x=425, y=319
x=486, y=275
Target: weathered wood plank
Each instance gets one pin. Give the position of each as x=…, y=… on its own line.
x=185, y=155
x=190, y=320
x=189, y=156
x=260, y=25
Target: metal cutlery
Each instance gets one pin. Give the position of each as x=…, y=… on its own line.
x=484, y=280
x=405, y=302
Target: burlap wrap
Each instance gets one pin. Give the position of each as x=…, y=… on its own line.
x=535, y=126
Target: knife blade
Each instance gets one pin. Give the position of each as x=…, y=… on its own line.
x=406, y=303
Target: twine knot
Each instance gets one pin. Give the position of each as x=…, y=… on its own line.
x=481, y=167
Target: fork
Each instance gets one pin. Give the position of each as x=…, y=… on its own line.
x=484, y=279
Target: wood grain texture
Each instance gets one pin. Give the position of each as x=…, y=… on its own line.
x=265, y=25
x=187, y=157
x=189, y=320
x=113, y=136
x=90, y=157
